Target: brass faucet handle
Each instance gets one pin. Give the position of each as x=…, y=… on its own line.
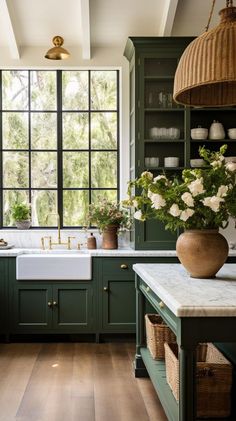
x=69, y=242
x=43, y=242
x=79, y=245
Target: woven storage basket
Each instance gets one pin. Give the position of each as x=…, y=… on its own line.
x=214, y=379
x=157, y=333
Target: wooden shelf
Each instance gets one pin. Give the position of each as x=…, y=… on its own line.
x=166, y=109
x=157, y=372
x=164, y=168
x=213, y=140
x=213, y=109
x=161, y=78
x=164, y=141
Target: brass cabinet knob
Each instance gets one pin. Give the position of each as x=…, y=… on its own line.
x=49, y=304
x=54, y=303
x=124, y=266
x=105, y=289
x=161, y=304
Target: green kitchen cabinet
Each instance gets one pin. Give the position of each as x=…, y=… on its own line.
x=152, y=65
x=52, y=307
x=3, y=295
x=116, y=291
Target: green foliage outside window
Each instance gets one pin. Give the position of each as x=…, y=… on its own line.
x=58, y=155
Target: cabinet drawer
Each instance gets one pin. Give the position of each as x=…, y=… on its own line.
x=119, y=267
x=159, y=305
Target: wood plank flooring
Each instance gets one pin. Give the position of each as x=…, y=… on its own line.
x=74, y=382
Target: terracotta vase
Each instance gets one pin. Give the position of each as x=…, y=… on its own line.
x=109, y=237
x=202, y=252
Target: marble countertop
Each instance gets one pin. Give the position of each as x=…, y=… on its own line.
x=128, y=252
x=191, y=297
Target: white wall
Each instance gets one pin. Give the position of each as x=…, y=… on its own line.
x=105, y=58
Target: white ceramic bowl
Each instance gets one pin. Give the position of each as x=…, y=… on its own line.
x=199, y=133
x=196, y=163
x=171, y=161
x=232, y=133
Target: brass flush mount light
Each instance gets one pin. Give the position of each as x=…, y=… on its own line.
x=206, y=73
x=57, y=52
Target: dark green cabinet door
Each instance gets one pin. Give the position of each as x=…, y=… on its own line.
x=3, y=294
x=118, y=305
x=33, y=307
x=72, y=307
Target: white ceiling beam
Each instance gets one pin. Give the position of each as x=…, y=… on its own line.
x=85, y=29
x=10, y=33
x=168, y=17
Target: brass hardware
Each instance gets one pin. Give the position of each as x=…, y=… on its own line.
x=69, y=242
x=54, y=303
x=57, y=52
x=147, y=289
x=105, y=289
x=49, y=304
x=79, y=245
x=42, y=243
x=161, y=304
x=124, y=266
x=49, y=243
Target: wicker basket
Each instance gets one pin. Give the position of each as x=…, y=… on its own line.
x=157, y=333
x=214, y=379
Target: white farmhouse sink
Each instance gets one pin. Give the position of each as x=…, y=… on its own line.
x=64, y=266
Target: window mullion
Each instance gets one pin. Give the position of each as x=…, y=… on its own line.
x=59, y=147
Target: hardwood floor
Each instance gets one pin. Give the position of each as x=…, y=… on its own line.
x=74, y=382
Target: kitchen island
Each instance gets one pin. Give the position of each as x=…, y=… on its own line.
x=196, y=310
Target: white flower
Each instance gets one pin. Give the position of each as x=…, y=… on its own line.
x=231, y=166
x=222, y=191
x=213, y=202
x=160, y=177
x=147, y=174
x=187, y=213
x=216, y=164
x=150, y=194
x=157, y=201
x=175, y=210
x=188, y=199
x=138, y=215
x=135, y=203
x=196, y=187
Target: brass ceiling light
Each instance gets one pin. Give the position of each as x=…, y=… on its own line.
x=206, y=73
x=57, y=52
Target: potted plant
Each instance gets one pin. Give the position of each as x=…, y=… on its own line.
x=21, y=215
x=200, y=203
x=109, y=217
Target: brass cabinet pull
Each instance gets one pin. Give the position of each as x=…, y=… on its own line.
x=124, y=266
x=105, y=289
x=161, y=304
x=49, y=304
x=54, y=303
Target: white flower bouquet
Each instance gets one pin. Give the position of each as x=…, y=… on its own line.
x=203, y=199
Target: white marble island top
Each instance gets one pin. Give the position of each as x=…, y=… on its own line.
x=190, y=297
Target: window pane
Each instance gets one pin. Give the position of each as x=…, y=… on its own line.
x=15, y=169
x=15, y=130
x=43, y=131
x=75, y=131
x=99, y=195
x=43, y=90
x=75, y=205
x=75, y=169
x=103, y=130
x=103, y=90
x=15, y=90
x=44, y=169
x=10, y=198
x=44, y=203
x=75, y=90
x=104, y=169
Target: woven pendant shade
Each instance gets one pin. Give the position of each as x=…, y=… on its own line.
x=206, y=73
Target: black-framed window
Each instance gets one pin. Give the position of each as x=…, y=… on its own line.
x=59, y=143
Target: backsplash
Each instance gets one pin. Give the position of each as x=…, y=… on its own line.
x=32, y=238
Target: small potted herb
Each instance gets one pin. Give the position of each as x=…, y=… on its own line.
x=21, y=215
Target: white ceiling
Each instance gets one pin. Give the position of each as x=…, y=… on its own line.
x=98, y=23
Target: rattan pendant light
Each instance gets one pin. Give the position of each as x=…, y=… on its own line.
x=206, y=73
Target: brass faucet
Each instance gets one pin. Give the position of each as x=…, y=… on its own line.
x=58, y=242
